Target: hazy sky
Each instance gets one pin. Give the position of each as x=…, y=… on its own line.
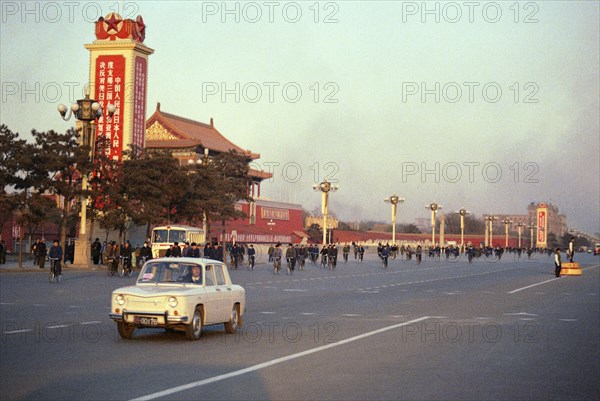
x=486, y=105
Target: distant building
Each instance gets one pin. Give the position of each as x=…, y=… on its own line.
x=332, y=222
x=556, y=222
x=190, y=141
x=423, y=223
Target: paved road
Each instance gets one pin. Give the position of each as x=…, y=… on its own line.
x=440, y=330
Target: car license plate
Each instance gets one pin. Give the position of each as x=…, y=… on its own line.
x=146, y=321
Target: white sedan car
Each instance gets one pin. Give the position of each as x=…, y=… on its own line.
x=181, y=294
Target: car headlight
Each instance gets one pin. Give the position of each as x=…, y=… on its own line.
x=172, y=302
x=120, y=299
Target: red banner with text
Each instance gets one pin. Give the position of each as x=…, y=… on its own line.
x=110, y=89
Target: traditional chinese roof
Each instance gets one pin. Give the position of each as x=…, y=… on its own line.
x=168, y=131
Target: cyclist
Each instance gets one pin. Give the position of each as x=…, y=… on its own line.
x=361, y=253
x=290, y=256
x=345, y=252
x=384, y=254
x=419, y=254
x=126, y=253
x=332, y=256
x=251, y=257
x=145, y=253
x=112, y=256
x=55, y=255
x=301, y=253
x=277, y=254
x=324, y=254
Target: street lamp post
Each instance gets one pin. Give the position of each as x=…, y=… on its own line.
x=506, y=222
x=86, y=111
x=462, y=212
x=325, y=187
x=491, y=219
x=520, y=229
x=394, y=200
x=434, y=207
x=531, y=227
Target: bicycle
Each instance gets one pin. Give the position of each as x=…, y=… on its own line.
x=141, y=261
x=276, y=265
x=384, y=261
x=111, y=266
x=323, y=261
x=251, y=262
x=290, y=265
x=55, y=270
x=124, y=267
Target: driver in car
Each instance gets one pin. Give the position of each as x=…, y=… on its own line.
x=194, y=276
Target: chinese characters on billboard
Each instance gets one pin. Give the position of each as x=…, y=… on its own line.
x=110, y=89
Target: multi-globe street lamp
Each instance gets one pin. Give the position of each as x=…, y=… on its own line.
x=462, y=212
x=506, y=222
x=325, y=187
x=84, y=110
x=394, y=200
x=434, y=207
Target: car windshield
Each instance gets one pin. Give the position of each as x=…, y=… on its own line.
x=166, y=272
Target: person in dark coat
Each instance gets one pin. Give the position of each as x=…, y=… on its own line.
x=175, y=250
x=41, y=252
x=96, y=251
x=56, y=252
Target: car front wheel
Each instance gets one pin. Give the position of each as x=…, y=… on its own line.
x=193, y=331
x=125, y=330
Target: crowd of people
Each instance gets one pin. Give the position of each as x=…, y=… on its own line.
x=296, y=255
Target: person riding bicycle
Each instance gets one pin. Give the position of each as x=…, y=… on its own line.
x=112, y=255
x=126, y=254
x=419, y=253
x=384, y=254
x=290, y=256
x=361, y=253
x=345, y=252
x=145, y=253
x=277, y=254
x=55, y=255
x=324, y=252
x=251, y=256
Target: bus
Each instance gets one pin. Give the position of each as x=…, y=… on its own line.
x=164, y=237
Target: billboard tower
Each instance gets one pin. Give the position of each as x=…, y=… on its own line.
x=118, y=77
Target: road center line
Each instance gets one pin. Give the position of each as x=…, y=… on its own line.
x=267, y=364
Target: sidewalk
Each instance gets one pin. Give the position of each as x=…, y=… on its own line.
x=12, y=265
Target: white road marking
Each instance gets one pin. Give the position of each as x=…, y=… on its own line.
x=520, y=314
x=295, y=290
x=91, y=322
x=533, y=285
x=40, y=305
x=351, y=315
x=268, y=313
x=7, y=303
x=18, y=331
x=58, y=326
x=568, y=320
x=267, y=364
